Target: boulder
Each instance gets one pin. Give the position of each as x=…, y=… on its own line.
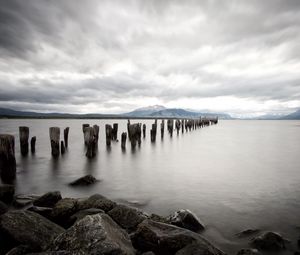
x=7, y=193
x=49, y=199
x=247, y=232
x=127, y=217
x=168, y=239
x=94, y=234
x=84, y=181
x=186, y=219
x=269, y=241
x=21, y=201
x=158, y=218
x=44, y=211
x=81, y=214
x=248, y=252
x=20, y=250
x=148, y=253
x=53, y=253
x=62, y=211
x=3, y=208
x=96, y=201
x=28, y=228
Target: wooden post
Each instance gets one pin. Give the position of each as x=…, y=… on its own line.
x=135, y=132
x=96, y=133
x=24, y=136
x=177, y=125
x=144, y=130
x=182, y=125
x=7, y=158
x=91, y=142
x=32, y=144
x=153, y=133
x=66, y=136
x=170, y=125
x=128, y=131
x=123, y=140
x=162, y=128
x=62, y=147
x=54, y=133
x=108, y=132
x=84, y=126
x=115, y=132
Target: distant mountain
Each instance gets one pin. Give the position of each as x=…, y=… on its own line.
x=293, y=116
x=145, y=111
x=175, y=113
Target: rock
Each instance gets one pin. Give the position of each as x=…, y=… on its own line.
x=21, y=201
x=20, y=250
x=299, y=242
x=29, y=228
x=168, y=239
x=49, y=199
x=247, y=232
x=7, y=193
x=84, y=181
x=81, y=214
x=52, y=253
x=297, y=253
x=62, y=211
x=96, y=201
x=43, y=211
x=269, y=241
x=94, y=234
x=248, y=252
x=185, y=219
x=3, y=208
x=158, y=218
x=127, y=217
x=148, y=253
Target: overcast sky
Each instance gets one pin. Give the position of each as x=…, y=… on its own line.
x=240, y=57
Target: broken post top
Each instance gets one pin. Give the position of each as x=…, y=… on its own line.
x=54, y=133
x=7, y=145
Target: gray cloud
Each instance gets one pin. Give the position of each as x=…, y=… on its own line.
x=116, y=55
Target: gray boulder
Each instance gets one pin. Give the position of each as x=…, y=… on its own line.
x=62, y=211
x=127, y=217
x=29, y=228
x=248, y=252
x=19, y=250
x=84, y=181
x=168, y=239
x=21, y=201
x=185, y=219
x=81, y=214
x=94, y=234
x=49, y=199
x=44, y=211
x=269, y=241
x=7, y=193
x=96, y=201
x=247, y=232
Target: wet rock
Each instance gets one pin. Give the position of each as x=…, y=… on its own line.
x=299, y=242
x=43, y=211
x=21, y=201
x=3, y=208
x=62, y=211
x=297, y=253
x=29, y=228
x=148, y=253
x=49, y=199
x=84, y=181
x=247, y=232
x=96, y=201
x=7, y=193
x=158, y=218
x=94, y=234
x=269, y=241
x=20, y=250
x=248, y=252
x=81, y=214
x=168, y=239
x=127, y=217
x=185, y=219
x=53, y=253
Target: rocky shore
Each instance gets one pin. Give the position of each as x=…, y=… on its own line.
x=50, y=224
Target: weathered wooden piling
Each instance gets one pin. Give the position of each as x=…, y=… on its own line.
x=54, y=133
x=128, y=131
x=24, y=136
x=115, y=132
x=123, y=140
x=135, y=132
x=170, y=125
x=32, y=144
x=162, y=128
x=62, y=147
x=177, y=125
x=96, y=133
x=108, y=132
x=91, y=142
x=84, y=126
x=66, y=136
x=85, y=138
x=7, y=158
x=153, y=133
x=144, y=130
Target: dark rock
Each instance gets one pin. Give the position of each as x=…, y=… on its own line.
x=148, y=253
x=84, y=181
x=53, y=253
x=21, y=201
x=248, y=252
x=158, y=218
x=185, y=219
x=7, y=193
x=20, y=250
x=49, y=199
x=168, y=239
x=299, y=242
x=94, y=234
x=81, y=214
x=29, y=228
x=127, y=217
x=43, y=211
x=297, y=253
x=247, y=232
x=269, y=241
x=96, y=201
x=3, y=208
x=62, y=211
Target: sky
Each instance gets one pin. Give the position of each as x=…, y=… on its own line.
x=241, y=57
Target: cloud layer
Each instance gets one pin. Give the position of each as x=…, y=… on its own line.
x=242, y=57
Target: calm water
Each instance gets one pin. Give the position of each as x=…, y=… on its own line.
x=234, y=175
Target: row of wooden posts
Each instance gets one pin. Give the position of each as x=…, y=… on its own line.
x=91, y=137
